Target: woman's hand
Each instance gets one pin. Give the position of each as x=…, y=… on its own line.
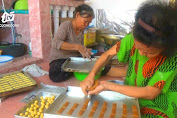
x=101, y=87
x=87, y=83
x=147, y=92
x=85, y=52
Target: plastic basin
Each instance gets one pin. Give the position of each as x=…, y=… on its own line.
x=21, y=5
x=4, y=59
x=81, y=76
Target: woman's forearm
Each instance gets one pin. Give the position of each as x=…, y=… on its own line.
x=117, y=72
x=69, y=46
x=103, y=60
x=133, y=91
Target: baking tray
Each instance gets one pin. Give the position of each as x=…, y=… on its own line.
x=43, y=94
x=79, y=64
x=114, y=62
x=43, y=88
x=15, y=82
x=116, y=81
x=75, y=95
x=2, y=99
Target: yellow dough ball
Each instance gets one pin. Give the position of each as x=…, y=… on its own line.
x=42, y=103
x=26, y=113
x=34, y=108
x=47, y=103
x=40, y=110
x=36, y=101
x=37, y=106
x=27, y=109
x=32, y=115
x=46, y=106
x=35, y=112
x=39, y=113
x=31, y=108
x=42, y=115
x=32, y=105
x=43, y=100
x=53, y=97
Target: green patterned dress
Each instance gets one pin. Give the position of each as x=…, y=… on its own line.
x=158, y=72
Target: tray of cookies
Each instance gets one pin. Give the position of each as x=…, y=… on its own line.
x=36, y=107
x=15, y=82
x=107, y=104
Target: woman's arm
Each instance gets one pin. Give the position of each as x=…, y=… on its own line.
x=85, y=52
x=117, y=72
x=147, y=92
x=69, y=46
x=101, y=62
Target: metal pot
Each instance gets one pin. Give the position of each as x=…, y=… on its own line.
x=110, y=39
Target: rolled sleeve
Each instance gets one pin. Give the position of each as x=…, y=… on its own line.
x=60, y=36
x=124, y=47
x=57, y=44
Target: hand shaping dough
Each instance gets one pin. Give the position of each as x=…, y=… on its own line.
x=96, y=83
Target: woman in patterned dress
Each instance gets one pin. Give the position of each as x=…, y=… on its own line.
x=151, y=53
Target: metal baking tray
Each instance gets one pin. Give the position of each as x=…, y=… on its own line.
x=43, y=94
x=15, y=82
x=79, y=64
x=43, y=88
x=75, y=95
x=117, y=82
x=114, y=61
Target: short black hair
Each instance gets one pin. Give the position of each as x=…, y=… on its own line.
x=163, y=18
x=84, y=11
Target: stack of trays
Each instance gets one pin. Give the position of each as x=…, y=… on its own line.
x=15, y=82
